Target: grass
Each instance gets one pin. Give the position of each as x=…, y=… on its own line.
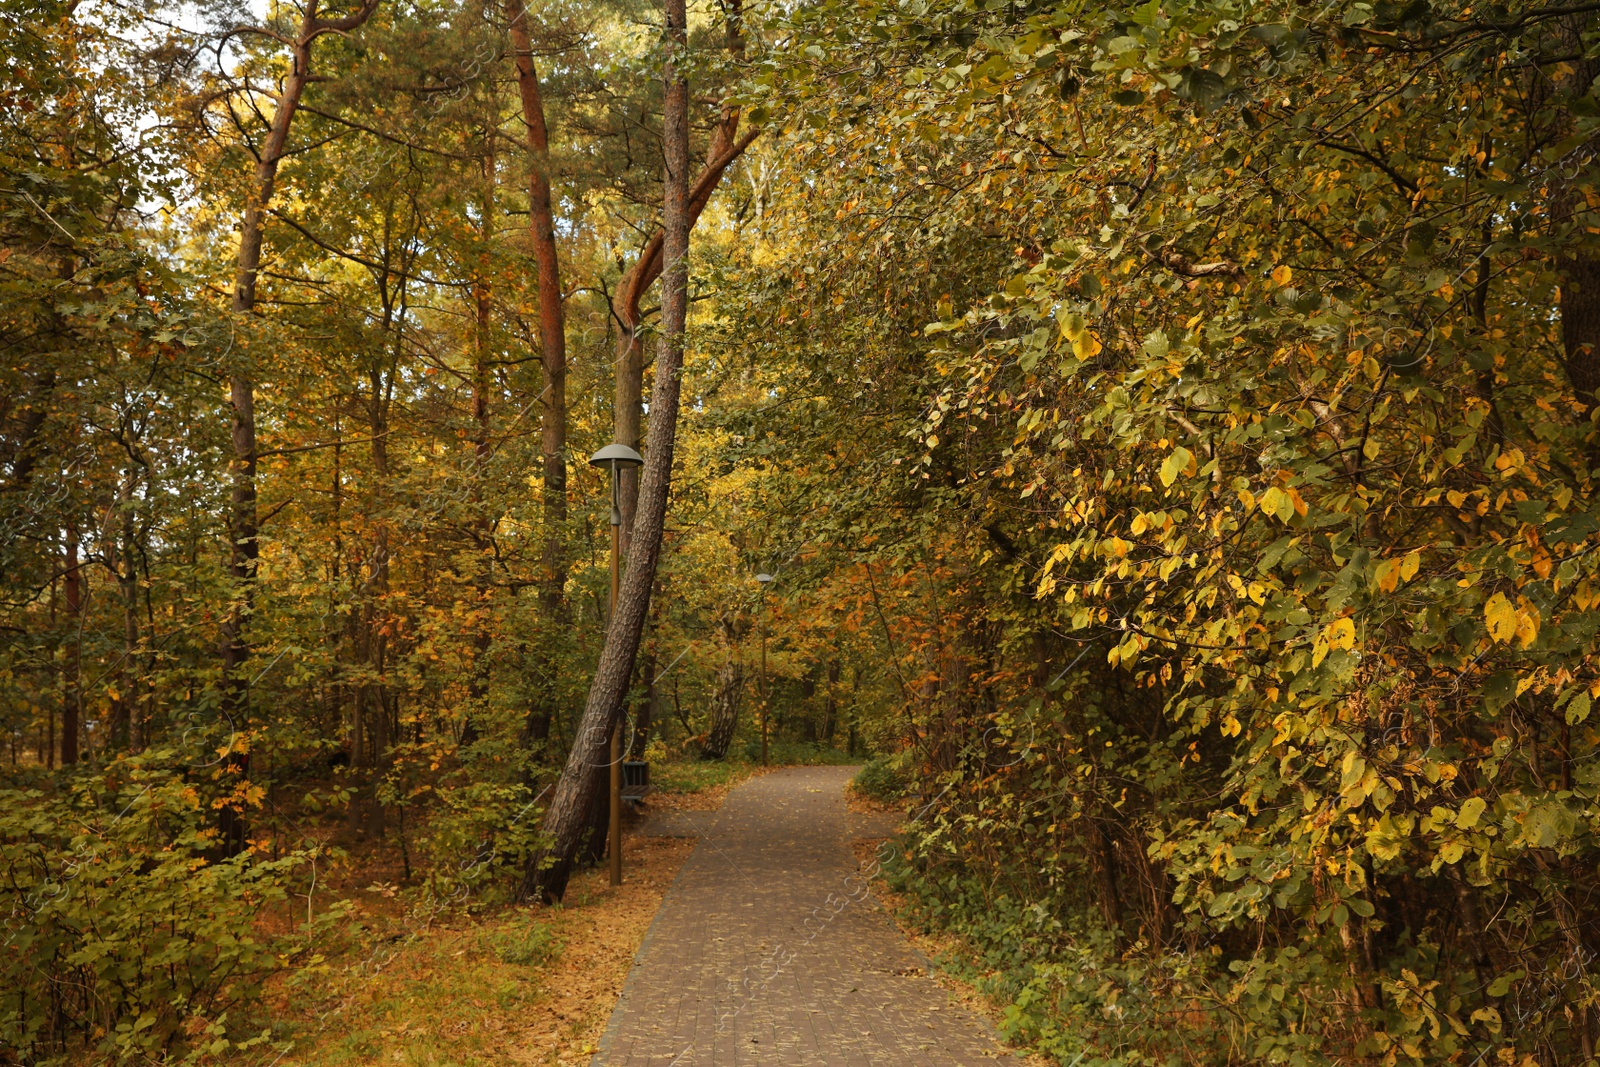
x=499, y=984
x=693, y=776
x=503, y=985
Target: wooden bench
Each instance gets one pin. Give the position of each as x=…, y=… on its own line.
x=635, y=780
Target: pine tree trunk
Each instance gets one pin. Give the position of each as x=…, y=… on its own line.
x=726, y=147
x=571, y=807
x=552, y=321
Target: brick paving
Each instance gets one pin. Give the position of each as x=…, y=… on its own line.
x=767, y=950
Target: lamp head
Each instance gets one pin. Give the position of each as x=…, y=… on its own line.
x=616, y=457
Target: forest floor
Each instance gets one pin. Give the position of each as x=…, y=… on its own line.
x=501, y=984
x=508, y=984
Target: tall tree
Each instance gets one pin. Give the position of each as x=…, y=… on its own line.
x=552, y=313
x=571, y=808
x=243, y=525
x=726, y=146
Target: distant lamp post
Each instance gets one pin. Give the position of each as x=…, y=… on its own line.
x=766, y=689
x=616, y=458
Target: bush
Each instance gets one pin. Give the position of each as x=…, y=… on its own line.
x=885, y=778
x=124, y=941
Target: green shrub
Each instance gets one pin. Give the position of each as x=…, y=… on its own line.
x=125, y=943
x=885, y=778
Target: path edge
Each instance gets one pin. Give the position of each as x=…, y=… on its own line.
x=614, y=1021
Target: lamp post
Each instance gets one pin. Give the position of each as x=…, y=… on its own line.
x=615, y=458
x=766, y=689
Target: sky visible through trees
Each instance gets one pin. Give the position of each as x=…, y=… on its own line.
x=1172, y=430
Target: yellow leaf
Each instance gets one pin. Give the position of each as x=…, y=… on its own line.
x=1087, y=346
x=1388, y=575
x=1282, y=275
x=1501, y=618
x=1177, y=463
x=1277, y=503
x=1248, y=499
x=1409, y=565
x=1527, y=626
x=1341, y=633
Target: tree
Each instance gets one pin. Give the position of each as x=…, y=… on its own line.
x=244, y=526
x=1245, y=436
x=569, y=813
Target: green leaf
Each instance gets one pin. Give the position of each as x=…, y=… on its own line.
x=1502, y=984
x=1175, y=464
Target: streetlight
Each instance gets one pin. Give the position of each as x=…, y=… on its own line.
x=766, y=689
x=615, y=458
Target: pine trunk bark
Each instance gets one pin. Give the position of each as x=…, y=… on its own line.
x=628, y=393
x=552, y=358
x=569, y=813
x=552, y=323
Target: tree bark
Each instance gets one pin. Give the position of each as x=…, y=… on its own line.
x=1103, y=866
x=569, y=813
x=726, y=147
x=25, y=456
x=724, y=709
x=552, y=324
x=72, y=700
x=552, y=357
x=243, y=525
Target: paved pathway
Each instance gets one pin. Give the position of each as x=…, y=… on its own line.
x=767, y=951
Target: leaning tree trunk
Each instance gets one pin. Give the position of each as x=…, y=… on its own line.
x=724, y=709
x=571, y=808
x=630, y=363
x=726, y=146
